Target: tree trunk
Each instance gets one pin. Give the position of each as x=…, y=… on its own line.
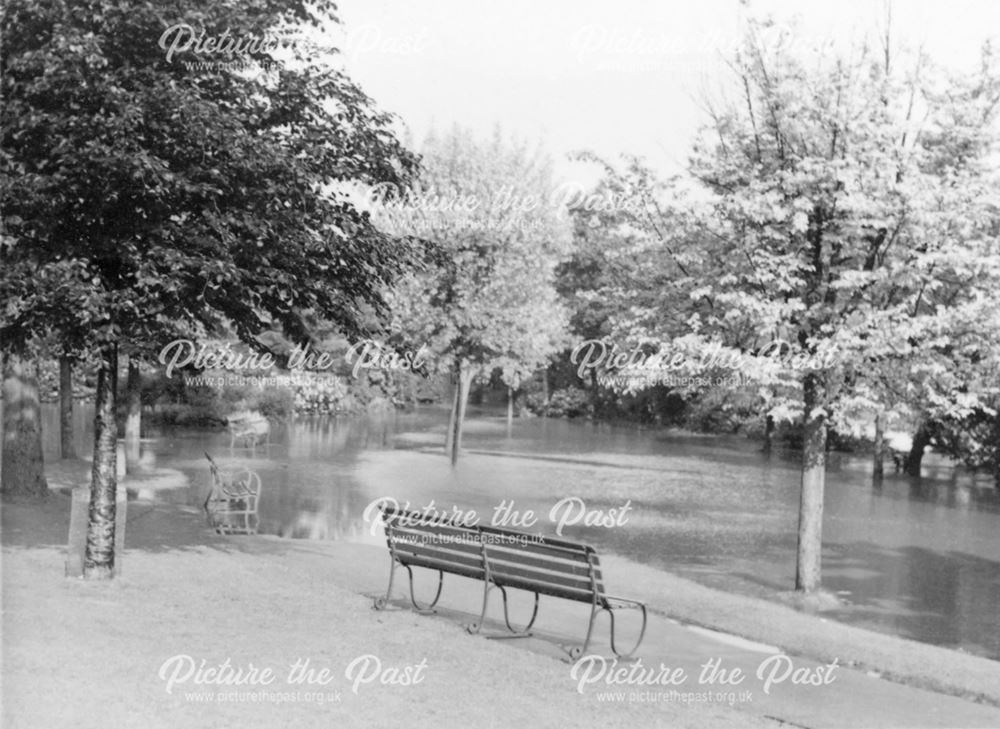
x=99, y=560
x=878, y=469
x=66, y=449
x=768, y=433
x=921, y=440
x=133, y=415
x=510, y=409
x=450, y=433
x=810, y=546
x=462, y=395
x=23, y=471
x=594, y=393
x=545, y=384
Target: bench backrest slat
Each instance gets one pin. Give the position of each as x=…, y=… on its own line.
x=405, y=549
x=509, y=574
x=413, y=560
x=422, y=541
x=527, y=557
x=499, y=536
x=468, y=543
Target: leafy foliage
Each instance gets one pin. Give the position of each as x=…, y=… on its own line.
x=490, y=303
x=147, y=199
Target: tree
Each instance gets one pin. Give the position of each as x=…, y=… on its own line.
x=489, y=303
x=149, y=198
x=838, y=218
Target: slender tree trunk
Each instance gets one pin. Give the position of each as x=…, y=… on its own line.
x=545, y=384
x=878, y=469
x=810, y=546
x=133, y=415
x=23, y=471
x=66, y=449
x=768, y=433
x=464, y=381
x=510, y=408
x=99, y=560
x=921, y=440
x=450, y=434
x=594, y=393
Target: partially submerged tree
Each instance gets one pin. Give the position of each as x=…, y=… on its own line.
x=836, y=219
x=847, y=217
x=490, y=303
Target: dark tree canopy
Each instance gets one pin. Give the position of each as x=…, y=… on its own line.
x=143, y=195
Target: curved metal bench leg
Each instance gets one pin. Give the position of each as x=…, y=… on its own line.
x=642, y=634
x=577, y=651
x=425, y=609
x=381, y=602
x=478, y=625
x=524, y=632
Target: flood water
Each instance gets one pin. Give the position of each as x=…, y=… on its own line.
x=919, y=558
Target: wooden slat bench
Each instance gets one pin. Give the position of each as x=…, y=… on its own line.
x=233, y=503
x=503, y=559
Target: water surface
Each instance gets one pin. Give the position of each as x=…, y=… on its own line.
x=918, y=558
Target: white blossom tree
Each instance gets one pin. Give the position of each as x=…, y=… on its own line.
x=489, y=302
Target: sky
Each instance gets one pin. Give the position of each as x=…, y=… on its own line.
x=622, y=77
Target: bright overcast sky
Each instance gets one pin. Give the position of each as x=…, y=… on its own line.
x=614, y=77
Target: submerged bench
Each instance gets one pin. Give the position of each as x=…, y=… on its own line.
x=233, y=502
x=502, y=559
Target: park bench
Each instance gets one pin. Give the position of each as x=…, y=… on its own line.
x=502, y=559
x=233, y=502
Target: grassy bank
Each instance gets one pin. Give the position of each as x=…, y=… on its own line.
x=90, y=654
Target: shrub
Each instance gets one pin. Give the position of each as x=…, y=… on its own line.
x=569, y=402
x=276, y=403
x=321, y=394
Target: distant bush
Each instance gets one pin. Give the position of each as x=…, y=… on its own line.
x=189, y=415
x=277, y=403
x=321, y=394
x=569, y=402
